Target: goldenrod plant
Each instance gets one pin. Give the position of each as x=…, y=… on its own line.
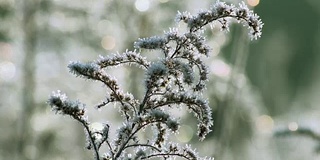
x=177, y=79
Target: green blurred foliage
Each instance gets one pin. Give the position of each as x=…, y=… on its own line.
x=283, y=63
x=6, y=13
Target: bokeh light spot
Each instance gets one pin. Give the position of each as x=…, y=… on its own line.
x=142, y=5
x=5, y=50
x=220, y=68
x=185, y=133
x=265, y=124
x=253, y=3
x=7, y=71
x=108, y=42
x=293, y=126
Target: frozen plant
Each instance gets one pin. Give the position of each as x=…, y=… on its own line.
x=177, y=79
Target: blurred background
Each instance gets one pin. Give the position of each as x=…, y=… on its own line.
x=257, y=90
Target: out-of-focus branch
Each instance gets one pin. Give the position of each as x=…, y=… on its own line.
x=28, y=104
